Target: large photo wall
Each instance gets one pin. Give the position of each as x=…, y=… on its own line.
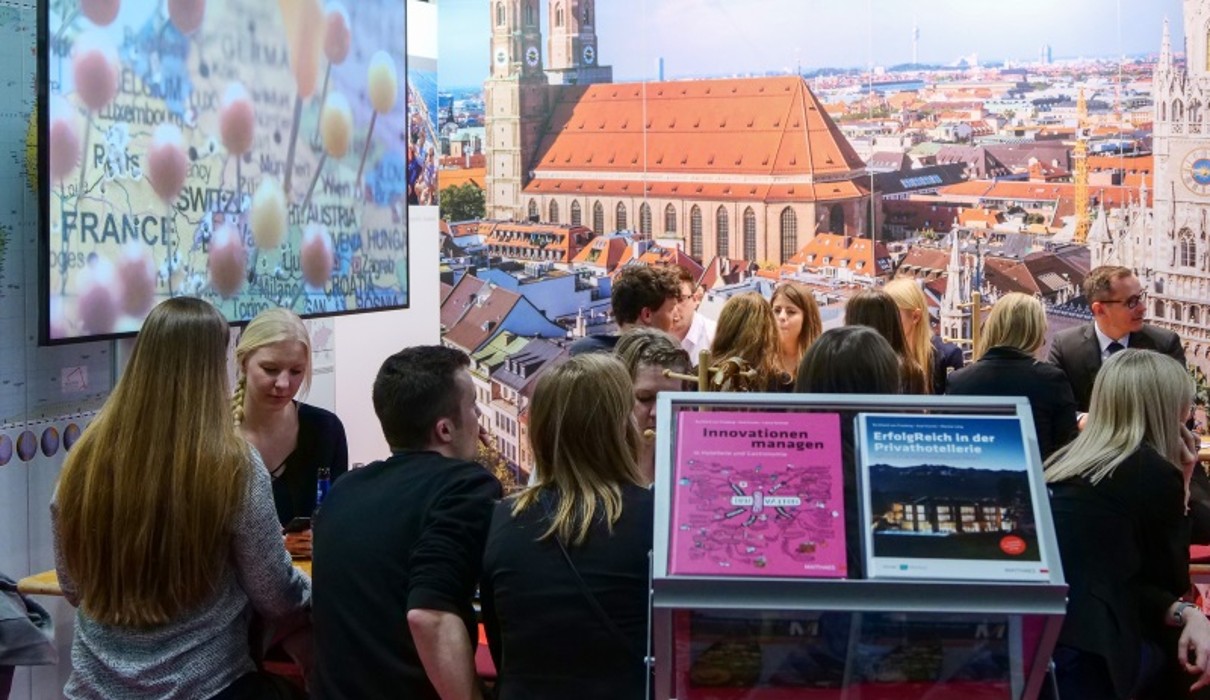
x=972, y=148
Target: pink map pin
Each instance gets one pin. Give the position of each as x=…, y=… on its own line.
x=167, y=163
x=227, y=261
x=318, y=255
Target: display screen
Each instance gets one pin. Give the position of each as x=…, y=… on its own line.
x=250, y=152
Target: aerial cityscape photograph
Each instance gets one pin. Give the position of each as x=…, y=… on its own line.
x=973, y=148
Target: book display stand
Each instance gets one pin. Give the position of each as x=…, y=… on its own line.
x=851, y=546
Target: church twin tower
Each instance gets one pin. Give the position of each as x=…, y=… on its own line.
x=522, y=89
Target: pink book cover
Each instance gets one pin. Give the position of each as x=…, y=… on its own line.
x=758, y=494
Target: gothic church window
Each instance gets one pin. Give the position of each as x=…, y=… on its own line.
x=620, y=218
x=669, y=219
x=1178, y=111
x=836, y=219
x=533, y=210
x=499, y=14
x=559, y=15
x=645, y=219
x=749, y=234
x=722, y=232
x=695, y=232
x=1195, y=111
x=576, y=218
x=598, y=218
x=529, y=14
x=789, y=233
x=1188, y=248
x=554, y=212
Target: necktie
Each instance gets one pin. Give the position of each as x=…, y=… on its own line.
x=1114, y=348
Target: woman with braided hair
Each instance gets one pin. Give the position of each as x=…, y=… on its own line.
x=296, y=440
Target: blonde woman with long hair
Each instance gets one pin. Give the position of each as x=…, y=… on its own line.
x=747, y=340
x=1008, y=366
x=798, y=324
x=564, y=586
x=164, y=531
x=1119, y=495
x=296, y=440
x=917, y=331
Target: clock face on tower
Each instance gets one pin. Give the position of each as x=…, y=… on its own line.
x=531, y=56
x=501, y=57
x=590, y=54
x=1195, y=171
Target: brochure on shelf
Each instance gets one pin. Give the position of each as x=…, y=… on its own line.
x=758, y=494
x=733, y=654
x=948, y=497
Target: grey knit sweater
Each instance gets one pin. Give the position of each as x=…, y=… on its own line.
x=205, y=650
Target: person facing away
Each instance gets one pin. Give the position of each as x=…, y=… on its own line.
x=1007, y=366
x=647, y=354
x=1118, y=497
x=642, y=295
x=876, y=309
x=164, y=530
x=744, y=355
x=1118, y=303
x=565, y=570
x=849, y=360
x=399, y=543
x=296, y=440
x=798, y=324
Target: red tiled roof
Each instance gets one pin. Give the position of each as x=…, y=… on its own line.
x=606, y=253
x=818, y=192
x=917, y=215
x=721, y=271
x=660, y=255
x=1111, y=195
x=741, y=127
x=459, y=298
x=861, y=255
x=463, y=176
x=979, y=217
x=482, y=318
x=521, y=238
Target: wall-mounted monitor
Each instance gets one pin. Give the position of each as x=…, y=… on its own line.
x=250, y=152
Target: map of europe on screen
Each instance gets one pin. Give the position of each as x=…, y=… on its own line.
x=758, y=494
x=250, y=152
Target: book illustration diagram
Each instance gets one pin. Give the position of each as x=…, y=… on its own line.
x=758, y=494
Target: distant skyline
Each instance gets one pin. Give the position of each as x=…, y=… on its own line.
x=722, y=37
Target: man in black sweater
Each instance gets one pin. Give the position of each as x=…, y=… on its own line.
x=399, y=543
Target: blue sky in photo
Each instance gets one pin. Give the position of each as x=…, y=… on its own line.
x=699, y=38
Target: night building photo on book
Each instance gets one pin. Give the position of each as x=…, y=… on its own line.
x=944, y=494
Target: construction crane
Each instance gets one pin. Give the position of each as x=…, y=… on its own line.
x=1080, y=159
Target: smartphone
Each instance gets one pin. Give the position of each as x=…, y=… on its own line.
x=297, y=525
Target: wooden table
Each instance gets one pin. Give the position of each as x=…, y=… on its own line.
x=47, y=582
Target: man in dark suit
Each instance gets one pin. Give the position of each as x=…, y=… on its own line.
x=1118, y=304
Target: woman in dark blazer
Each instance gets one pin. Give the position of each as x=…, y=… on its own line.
x=564, y=586
x=1012, y=334
x=1118, y=495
